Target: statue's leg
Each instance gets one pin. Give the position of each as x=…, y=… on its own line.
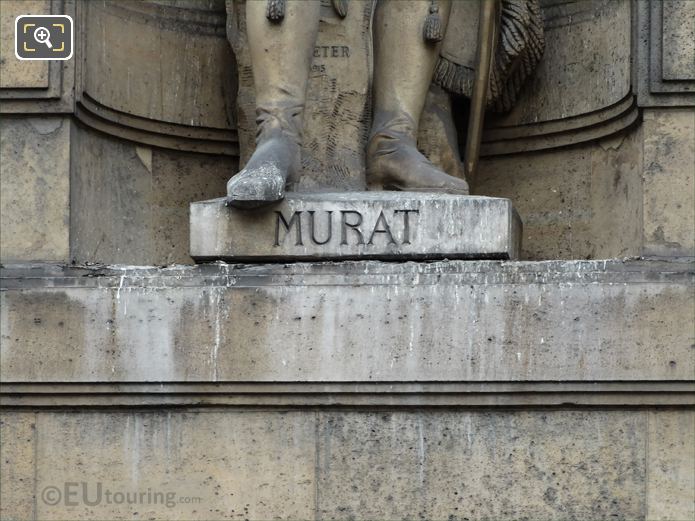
x=281, y=53
x=403, y=66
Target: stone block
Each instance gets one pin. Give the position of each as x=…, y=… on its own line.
x=669, y=182
x=610, y=226
x=376, y=225
x=17, y=462
x=187, y=465
x=455, y=321
x=458, y=465
x=430, y=463
x=551, y=191
x=35, y=178
x=671, y=465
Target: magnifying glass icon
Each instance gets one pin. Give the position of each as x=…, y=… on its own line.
x=43, y=35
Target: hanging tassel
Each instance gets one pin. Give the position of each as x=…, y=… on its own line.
x=433, y=25
x=275, y=11
x=341, y=7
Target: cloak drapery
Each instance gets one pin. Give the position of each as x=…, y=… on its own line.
x=518, y=50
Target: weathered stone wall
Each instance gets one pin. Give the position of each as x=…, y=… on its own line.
x=35, y=195
x=358, y=463
x=628, y=194
x=478, y=390
x=359, y=390
x=594, y=172
x=130, y=201
x=102, y=154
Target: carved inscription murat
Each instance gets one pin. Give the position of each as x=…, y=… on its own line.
x=330, y=226
x=345, y=227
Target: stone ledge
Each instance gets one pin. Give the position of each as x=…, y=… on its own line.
x=308, y=394
x=485, y=321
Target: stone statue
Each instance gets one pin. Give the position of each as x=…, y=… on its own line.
x=416, y=42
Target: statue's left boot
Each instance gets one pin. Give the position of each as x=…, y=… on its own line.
x=281, y=39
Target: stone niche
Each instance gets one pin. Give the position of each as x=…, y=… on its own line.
x=157, y=126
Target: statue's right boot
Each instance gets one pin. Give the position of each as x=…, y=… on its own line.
x=395, y=163
x=276, y=158
x=404, y=60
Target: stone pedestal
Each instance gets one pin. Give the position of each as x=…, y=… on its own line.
x=349, y=390
x=374, y=225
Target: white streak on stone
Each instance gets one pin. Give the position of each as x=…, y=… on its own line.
x=218, y=333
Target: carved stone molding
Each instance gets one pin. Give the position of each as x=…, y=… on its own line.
x=665, y=53
x=156, y=133
x=562, y=132
x=338, y=394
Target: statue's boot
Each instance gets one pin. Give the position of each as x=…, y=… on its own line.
x=395, y=163
x=403, y=66
x=276, y=158
x=281, y=38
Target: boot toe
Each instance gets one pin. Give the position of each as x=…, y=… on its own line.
x=250, y=188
